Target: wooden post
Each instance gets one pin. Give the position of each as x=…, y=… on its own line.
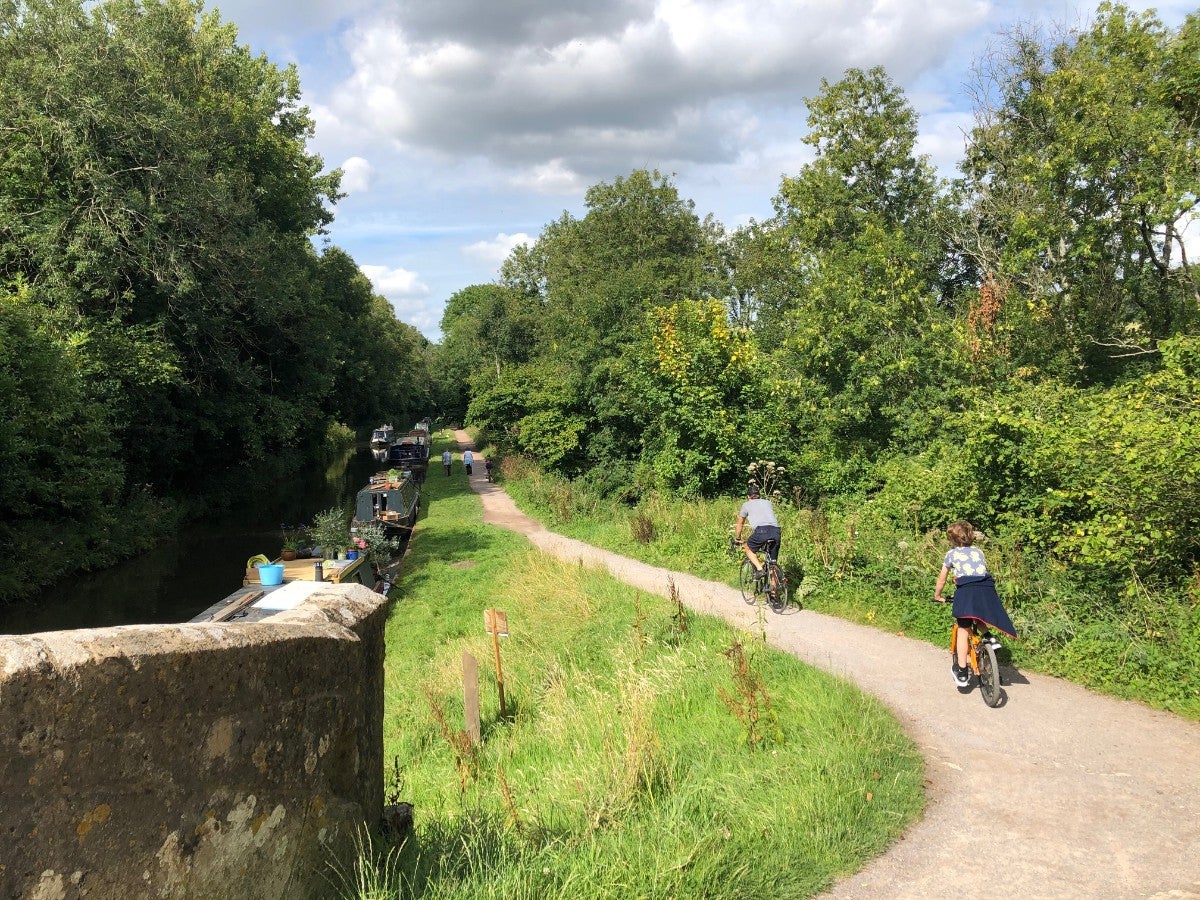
x=495, y=622
x=471, y=696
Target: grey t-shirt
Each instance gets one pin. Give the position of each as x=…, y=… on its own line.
x=758, y=512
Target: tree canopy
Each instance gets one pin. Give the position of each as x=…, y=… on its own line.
x=158, y=206
x=1015, y=345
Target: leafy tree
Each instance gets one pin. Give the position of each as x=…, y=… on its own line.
x=1105, y=479
x=850, y=276
x=156, y=181
x=535, y=409
x=1080, y=179
x=64, y=483
x=485, y=328
x=586, y=284
x=700, y=391
x=157, y=205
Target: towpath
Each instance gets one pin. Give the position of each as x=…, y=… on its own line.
x=1058, y=793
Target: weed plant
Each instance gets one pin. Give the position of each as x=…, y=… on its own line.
x=857, y=563
x=620, y=770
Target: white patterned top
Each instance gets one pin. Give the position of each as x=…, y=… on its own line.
x=966, y=561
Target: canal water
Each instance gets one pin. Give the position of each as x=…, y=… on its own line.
x=204, y=563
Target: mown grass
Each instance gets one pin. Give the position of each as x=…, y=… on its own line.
x=622, y=769
x=854, y=564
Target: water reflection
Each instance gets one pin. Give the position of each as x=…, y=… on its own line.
x=189, y=573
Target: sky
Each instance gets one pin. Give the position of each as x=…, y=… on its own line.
x=464, y=127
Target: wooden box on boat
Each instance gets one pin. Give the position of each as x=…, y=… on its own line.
x=336, y=572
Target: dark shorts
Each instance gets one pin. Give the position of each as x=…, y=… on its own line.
x=763, y=535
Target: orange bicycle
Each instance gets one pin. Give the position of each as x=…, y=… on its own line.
x=981, y=660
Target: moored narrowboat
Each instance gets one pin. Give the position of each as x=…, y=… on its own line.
x=392, y=503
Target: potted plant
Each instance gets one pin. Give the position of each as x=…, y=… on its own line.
x=294, y=541
x=371, y=540
x=330, y=532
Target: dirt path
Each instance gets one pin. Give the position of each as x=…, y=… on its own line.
x=1072, y=794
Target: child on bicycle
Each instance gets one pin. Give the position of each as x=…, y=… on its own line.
x=975, y=599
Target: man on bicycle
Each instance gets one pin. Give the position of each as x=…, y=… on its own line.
x=764, y=527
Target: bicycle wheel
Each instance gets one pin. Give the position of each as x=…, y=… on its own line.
x=989, y=674
x=746, y=578
x=777, y=587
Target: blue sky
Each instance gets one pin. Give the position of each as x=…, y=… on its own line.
x=464, y=127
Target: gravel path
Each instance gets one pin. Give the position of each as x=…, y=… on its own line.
x=1072, y=794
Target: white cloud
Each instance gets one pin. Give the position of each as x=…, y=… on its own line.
x=943, y=139
x=395, y=284
x=482, y=118
x=495, y=251
x=357, y=175
x=551, y=177
x=598, y=95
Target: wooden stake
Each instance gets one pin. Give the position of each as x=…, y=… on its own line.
x=499, y=671
x=471, y=696
x=495, y=621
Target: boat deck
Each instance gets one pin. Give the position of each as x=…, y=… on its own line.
x=254, y=601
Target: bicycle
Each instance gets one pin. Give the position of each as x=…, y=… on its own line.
x=981, y=659
x=771, y=581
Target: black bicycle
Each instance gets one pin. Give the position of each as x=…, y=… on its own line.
x=769, y=582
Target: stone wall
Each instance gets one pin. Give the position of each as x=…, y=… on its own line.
x=192, y=761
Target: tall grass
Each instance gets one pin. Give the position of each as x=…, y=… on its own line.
x=856, y=563
x=621, y=770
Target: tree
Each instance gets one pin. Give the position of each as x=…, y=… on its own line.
x=156, y=181
x=850, y=276
x=588, y=282
x=157, y=205
x=485, y=328
x=1080, y=178
x=701, y=389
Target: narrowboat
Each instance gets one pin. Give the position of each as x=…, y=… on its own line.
x=411, y=454
x=394, y=504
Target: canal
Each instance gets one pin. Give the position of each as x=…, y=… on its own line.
x=205, y=562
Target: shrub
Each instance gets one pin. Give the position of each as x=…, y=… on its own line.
x=642, y=527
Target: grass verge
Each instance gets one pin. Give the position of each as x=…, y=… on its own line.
x=645, y=752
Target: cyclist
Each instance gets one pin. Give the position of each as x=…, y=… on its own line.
x=975, y=597
x=764, y=527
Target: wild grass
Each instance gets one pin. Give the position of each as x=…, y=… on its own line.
x=620, y=770
x=854, y=563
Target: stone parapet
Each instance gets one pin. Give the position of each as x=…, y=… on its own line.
x=195, y=760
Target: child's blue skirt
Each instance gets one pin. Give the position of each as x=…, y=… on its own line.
x=975, y=597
